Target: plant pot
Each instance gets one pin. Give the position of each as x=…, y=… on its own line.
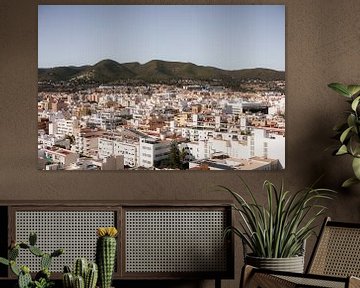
x=291, y=264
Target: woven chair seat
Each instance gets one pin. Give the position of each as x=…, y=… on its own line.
x=335, y=262
x=313, y=282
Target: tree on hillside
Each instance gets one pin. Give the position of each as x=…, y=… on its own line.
x=174, y=156
x=177, y=157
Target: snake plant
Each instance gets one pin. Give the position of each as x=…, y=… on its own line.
x=279, y=228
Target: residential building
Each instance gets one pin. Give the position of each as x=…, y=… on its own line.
x=86, y=141
x=153, y=150
x=58, y=157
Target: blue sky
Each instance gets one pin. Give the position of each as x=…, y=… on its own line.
x=224, y=36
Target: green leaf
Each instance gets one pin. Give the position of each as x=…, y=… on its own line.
x=4, y=261
x=36, y=251
x=13, y=253
x=342, y=150
x=23, y=245
x=349, y=182
x=45, y=261
x=345, y=134
x=354, y=145
x=14, y=268
x=341, y=127
x=351, y=120
x=353, y=89
x=279, y=228
x=32, y=238
x=356, y=167
x=57, y=252
x=340, y=88
x=355, y=103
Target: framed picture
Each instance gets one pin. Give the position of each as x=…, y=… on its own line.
x=161, y=87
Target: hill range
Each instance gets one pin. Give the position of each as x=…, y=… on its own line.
x=155, y=71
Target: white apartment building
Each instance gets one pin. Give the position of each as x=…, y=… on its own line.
x=197, y=150
x=105, y=147
x=255, y=163
x=231, y=147
x=263, y=143
x=106, y=120
x=45, y=141
x=269, y=144
x=194, y=134
x=129, y=150
x=61, y=157
x=234, y=108
x=116, y=146
x=277, y=107
x=109, y=163
x=153, y=150
x=86, y=142
x=62, y=127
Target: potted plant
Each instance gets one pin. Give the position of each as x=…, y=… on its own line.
x=84, y=274
x=348, y=132
x=42, y=278
x=106, y=254
x=276, y=233
x=87, y=274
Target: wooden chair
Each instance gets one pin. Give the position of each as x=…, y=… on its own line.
x=334, y=263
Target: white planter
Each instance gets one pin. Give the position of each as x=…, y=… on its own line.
x=291, y=264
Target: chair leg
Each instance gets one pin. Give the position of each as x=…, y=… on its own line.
x=246, y=274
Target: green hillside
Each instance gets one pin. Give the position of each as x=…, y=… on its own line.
x=109, y=71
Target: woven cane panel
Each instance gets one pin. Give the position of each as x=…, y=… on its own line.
x=339, y=253
x=74, y=231
x=308, y=282
x=175, y=241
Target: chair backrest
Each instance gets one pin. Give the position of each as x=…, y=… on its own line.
x=337, y=251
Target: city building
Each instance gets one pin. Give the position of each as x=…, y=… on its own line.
x=57, y=158
x=152, y=151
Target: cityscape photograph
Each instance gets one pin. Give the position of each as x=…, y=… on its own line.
x=161, y=87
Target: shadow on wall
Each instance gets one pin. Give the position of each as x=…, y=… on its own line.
x=314, y=153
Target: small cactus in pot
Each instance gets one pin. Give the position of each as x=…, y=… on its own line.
x=42, y=278
x=85, y=275
x=106, y=254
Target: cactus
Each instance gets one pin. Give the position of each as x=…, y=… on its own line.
x=106, y=254
x=45, y=261
x=87, y=272
x=36, y=251
x=79, y=282
x=44, y=273
x=80, y=267
x=24, y=280
x=42, y=278
x=32, y=239
x=91, y=276
x=24, y=245
x=4, y=261
x=13, y=253
x=57, y=253
x=67, y=269
x=14, y=268
x=68, y=280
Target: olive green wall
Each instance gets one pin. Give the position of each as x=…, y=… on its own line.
x=322, y=46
